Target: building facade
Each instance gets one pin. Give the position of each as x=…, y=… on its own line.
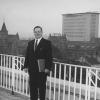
x=8, y=43
x=80, y=26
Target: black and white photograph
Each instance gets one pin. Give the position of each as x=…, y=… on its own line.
x=49, y=50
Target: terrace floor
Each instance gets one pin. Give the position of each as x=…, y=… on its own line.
x=7, y=95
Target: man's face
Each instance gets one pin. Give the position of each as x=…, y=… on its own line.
x=38, y=33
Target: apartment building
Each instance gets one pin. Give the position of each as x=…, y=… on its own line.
x=80, y=26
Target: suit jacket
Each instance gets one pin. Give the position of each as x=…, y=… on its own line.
x=43, y=51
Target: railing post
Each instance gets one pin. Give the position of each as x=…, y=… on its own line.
x=1, y=72
x=13, y=74
x=89, y=83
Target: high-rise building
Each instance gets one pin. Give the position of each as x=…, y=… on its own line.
x=81, y=26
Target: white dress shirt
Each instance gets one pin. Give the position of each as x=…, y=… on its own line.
x=38, y=40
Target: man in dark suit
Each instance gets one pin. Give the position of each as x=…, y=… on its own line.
x=38, y=49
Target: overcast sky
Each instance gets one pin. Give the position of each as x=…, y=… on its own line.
x=22, y=15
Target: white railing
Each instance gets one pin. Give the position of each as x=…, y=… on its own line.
x=65, y=82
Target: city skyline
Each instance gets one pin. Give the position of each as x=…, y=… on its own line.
x=22, y=15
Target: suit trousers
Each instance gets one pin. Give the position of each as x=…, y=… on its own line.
x=37, y=84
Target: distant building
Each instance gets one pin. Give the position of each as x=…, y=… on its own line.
x=55, y=34
x=59, y=45
x=81, y=26
x=75, y=52
x=76, y=49
x=8, y=43
x=22, y=45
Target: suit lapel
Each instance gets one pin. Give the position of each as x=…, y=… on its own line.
x=33, y=44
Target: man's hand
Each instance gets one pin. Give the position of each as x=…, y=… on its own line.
x=47, y=71
x=25, y=70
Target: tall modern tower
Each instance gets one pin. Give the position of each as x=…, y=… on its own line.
x=80, y=26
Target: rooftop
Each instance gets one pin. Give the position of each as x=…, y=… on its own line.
x=94, y=12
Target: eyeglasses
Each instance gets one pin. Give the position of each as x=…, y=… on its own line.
x=37, y=31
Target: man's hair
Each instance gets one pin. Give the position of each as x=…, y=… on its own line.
x=37, y=27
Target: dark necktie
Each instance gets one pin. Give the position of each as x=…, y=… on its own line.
x=35, y=45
